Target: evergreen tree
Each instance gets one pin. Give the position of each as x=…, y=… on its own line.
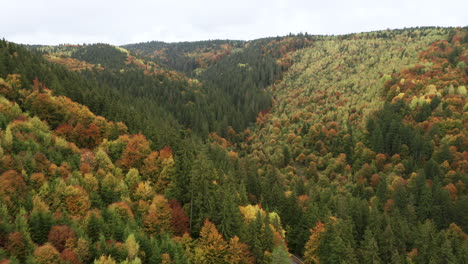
x=370, y=249
x=40, y=224
x=280, y=255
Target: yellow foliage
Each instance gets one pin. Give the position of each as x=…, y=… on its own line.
x=144, y=191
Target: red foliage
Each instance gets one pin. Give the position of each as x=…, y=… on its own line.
x=179, y=220
x=61, y=235
x=69, y=256
x=82, y=136
x=16, y=244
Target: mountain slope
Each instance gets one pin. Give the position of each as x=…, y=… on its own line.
x=356, y=130
x=358, y=153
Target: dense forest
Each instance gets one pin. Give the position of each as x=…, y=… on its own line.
x=332, y=149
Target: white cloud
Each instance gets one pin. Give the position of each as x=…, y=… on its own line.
x=120, y=22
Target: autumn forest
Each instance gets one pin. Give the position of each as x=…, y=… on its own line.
x=290, y=149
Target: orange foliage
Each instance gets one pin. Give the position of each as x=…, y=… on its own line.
x=77, y=200
x=380, y=161
x=151, y=167
x=72, y=64
x=12, y=187
x=123, y=209
x=375, y=178
x=165, y=153
x=211, y=244
x=311, y=247
x=239, y=253
x=452, y=189
x=135, y=152
x=64, y=170
x=38, y=179
x=158, y=219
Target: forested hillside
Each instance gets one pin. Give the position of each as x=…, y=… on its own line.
x=77, y=188
x=338, y=149
x=364, y=152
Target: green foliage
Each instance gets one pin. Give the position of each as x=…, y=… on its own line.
x=104, y=54
x=357, y=152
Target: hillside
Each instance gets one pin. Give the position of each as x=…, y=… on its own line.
x=77, y=188
x=337, y=149
x=366, y=142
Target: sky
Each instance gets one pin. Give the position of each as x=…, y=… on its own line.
x=121, y=22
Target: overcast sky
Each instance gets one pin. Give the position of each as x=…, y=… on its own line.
x=121, y=22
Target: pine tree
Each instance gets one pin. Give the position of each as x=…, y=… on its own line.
x=280, y=255
x=40, y=224
x=230, y=218
x=203, y=192
x=370, y=249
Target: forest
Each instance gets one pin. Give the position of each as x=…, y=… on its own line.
x=326, y=149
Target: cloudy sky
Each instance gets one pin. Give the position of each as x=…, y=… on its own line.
x=121, y=22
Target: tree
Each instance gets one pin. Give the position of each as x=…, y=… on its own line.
x=13, y=185
x=211, y=248
x=95, y=226
x=77, y=200
x=280, y=255
x=179, y=219
x=311, y=253
x=105, y=260
x=239, y=252
x=40, y=224
x=47, y=254
x=229, y=214
x=158, y=219
x=69, y=256
x=370, y=249
x=16, y=245
x=132, y=247
x=204, y=199
x=135, y=152
x=61, y=237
